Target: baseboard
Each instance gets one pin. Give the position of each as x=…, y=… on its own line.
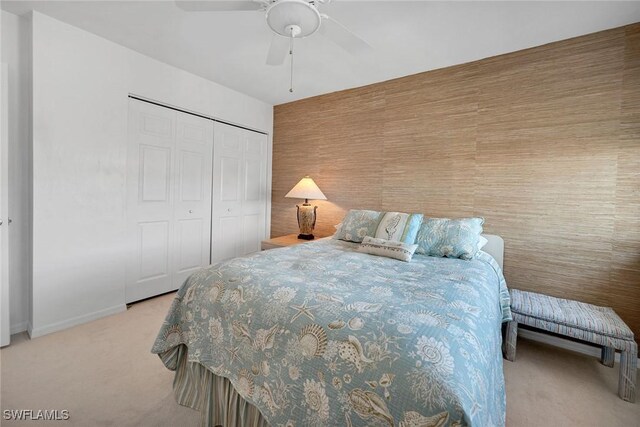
x=589, y=350
x=19, y=327
x=75, y=321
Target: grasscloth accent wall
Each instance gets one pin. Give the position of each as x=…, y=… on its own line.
x=544, y=143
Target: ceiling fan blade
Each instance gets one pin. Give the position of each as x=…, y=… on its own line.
x=278, y=50
x=342, y=36
x=218, y=5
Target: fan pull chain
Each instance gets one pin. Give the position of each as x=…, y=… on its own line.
x=291, y=54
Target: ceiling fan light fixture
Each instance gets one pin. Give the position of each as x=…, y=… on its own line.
x=284, y=14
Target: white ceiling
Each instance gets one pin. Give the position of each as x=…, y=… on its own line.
x=408, y=37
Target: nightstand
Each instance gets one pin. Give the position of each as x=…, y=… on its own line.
x=282, y=241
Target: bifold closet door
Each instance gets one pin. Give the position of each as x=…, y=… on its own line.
x=239, y=191
x=168, y=198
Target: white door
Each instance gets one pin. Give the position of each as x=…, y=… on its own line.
x=239, y=191
x=192, y=209
x=168, y=198
x=5, y=332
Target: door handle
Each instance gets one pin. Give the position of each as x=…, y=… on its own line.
x=1, y=222
x=190, y=211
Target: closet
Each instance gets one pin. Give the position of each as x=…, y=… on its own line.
x=186, y=172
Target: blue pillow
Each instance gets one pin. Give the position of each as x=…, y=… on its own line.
x=357, y=224
x=452, y=238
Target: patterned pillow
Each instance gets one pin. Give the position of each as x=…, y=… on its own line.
x=387, y=248
x=357, y=224
x=399, y=227
x=452, y=238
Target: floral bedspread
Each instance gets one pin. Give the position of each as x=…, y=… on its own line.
x=320, y=335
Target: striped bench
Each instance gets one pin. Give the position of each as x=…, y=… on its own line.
x=585, y=322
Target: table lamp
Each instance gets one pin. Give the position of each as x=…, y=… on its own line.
x=306, y=189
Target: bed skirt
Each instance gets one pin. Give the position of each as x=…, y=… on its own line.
x=196, y=387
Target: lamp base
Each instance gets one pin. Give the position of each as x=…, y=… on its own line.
x=306, y=221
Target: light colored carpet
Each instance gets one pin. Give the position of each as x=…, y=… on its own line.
x=104, y=375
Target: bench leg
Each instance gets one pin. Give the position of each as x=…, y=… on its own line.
x=510, y=340
x=627, y=378
x=608, y=356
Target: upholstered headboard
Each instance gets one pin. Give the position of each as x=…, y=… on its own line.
x=495, y=248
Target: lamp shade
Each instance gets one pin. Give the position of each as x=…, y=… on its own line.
x=306, y=189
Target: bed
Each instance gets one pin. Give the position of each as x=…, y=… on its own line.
x=319, y=334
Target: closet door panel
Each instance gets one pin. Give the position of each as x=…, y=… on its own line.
x=239, y=196
x=169, y=168
x=192, y=209
x=154, y=250
x=224, y=243
x=255, y=191
x=189, y=245
x=229, y=180
x=192, y=176
x=254, y=184
x=150, y=164
x=252, y=226
x=227, y=177
x=227, y=192
x=155, y=173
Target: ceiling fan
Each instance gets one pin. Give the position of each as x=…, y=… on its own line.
x=289, y=20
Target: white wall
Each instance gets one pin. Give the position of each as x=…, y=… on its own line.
x=16, y=53
x=80, y=88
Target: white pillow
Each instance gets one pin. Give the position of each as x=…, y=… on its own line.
x=482, y=242
x=399, y=227
x=381, y=247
